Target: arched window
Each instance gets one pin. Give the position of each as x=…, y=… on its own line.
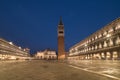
x=92, y=47
x=49, y=57
x=96, y=37
x=96, y=47
x=111, y=42
x=118, y=26
x=41, y=57
x=52, y=57
x=117, y=40
x=105, y=44
x=93, y=39
x=100, y=35
x=110, y=30
x=105, y=33
x=100, y=45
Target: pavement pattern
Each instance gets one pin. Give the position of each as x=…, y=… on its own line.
x=108, y=68
x=44, y=70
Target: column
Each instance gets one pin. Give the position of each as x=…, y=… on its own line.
x=105, y=56
x=92, y=57
x=118, y=54
x=88, y=56
x=100, y=55
x=111, y=55
x=108, y=55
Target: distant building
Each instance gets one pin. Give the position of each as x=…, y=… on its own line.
x=46, y=55
x=103, y=44
x=61, y=47
x=40, y=55
x=8, y=50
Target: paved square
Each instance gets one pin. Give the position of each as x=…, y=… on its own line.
x=44, y=70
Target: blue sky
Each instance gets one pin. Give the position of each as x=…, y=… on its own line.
x=33, y=23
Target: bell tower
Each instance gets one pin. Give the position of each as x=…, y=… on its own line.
x=61, y=48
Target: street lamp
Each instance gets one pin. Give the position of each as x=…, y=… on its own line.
x=10, y=43
x=20, y=48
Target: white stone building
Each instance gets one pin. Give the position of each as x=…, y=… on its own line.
x=46, y=54
x=8, y=51
x=104, y=44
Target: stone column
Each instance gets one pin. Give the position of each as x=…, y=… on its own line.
x=118, y=53
x=100, y=55
x=92, y=57
x=114, y=39
x=87, y=56
x=105, y=56
x=111, y=55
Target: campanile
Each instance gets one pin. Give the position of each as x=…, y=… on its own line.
x=61, y=48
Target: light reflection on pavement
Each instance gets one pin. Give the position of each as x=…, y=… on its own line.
x=105, y=67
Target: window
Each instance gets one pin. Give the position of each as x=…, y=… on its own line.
x=96, y=37
x=92, y=39
x=118, y=40
x=118, y=26
x=105, y=33
x=111, y=30
x=41, y=57
x=52, y=57
x=100, y=45
x=96, y=47
x=111, y=42
x=100, y=35
x=60, y=31
x=49, y=57
x=105, y=44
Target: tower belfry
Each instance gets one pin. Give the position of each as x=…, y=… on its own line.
x=61, y=48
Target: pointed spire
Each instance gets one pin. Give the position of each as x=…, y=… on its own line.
x=60, y=23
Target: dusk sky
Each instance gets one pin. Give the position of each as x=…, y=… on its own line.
x=33, y=23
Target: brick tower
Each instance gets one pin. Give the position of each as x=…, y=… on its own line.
x=61, y=49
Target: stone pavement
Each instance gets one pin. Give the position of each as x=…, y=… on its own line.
x=109, y=68
x=44, y=70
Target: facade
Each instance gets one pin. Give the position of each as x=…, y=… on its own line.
x=10, y=51
x=103, y=44
x=61, y=48
x=39, y=55
x=46, y=55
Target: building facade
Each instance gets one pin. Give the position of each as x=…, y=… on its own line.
x=10, y=51
x=46, y=55
x=61, y=48
x=103, y=44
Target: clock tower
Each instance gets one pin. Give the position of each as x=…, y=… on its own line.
x=61, y=48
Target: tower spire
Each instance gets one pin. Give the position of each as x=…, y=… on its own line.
x=60, y=23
